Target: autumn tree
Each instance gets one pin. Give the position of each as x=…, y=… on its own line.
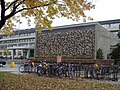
x=43, y=12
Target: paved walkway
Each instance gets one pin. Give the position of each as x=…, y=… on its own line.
x=7, y=68
x=14, y=70
x=17, y=61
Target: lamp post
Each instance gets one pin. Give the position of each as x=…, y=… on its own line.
x=18, y=32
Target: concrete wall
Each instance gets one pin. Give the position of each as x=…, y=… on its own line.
x=67, y=41
x=104, y=40
x=75, y=40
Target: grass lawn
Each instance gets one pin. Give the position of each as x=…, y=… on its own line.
x=33, y=82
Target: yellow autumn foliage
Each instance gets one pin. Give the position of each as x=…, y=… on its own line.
x=43, y=11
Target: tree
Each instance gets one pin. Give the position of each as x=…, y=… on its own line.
x=43, y=12
x=115, y=54
x=99, y=54
x=118, y=34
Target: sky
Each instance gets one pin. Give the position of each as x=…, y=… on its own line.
x=104, y=10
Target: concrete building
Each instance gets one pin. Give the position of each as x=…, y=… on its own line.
x=22, y=43
x=111, y=25
x=18, y=45
x=80, y=40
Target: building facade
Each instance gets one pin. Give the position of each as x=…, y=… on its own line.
x=80, y=40
x=111, y=25
x=18, y=45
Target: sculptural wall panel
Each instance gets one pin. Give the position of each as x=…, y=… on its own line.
x=78, y=41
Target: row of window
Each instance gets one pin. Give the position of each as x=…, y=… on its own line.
x=3, y=47
x=108, y=26
x=19, y=40
x=10, y=53
x=21, y=35
x=21, y=45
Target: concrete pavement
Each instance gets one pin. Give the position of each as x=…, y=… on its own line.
x=17, y=61
x=7, y=68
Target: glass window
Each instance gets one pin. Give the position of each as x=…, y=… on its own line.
x=5, y=53
x=32, y=39
x=26, y=34
x=116, y=25
x=106, y=26
x=19, y=52
x=9, y=53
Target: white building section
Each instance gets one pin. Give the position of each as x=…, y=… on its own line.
x=18, y=45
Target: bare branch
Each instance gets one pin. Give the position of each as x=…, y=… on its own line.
x=14, y=9
x=11, y=4
x=15, y=12
x=34, y=7
x=19, y=3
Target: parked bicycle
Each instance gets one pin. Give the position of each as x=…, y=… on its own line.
x=71, y=70
x=27, y=67
x=50, y=69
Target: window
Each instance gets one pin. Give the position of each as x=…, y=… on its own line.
x=9, y=53
x=33, y=39
x=5, y=53
x=26, y=34
x=116, y=25
x=19, y=53
x=106, y=26
x=4, y=36
x=21, y=34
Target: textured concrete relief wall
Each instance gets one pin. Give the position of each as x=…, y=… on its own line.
x=71, y=42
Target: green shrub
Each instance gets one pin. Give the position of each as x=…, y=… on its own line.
x=99, y=54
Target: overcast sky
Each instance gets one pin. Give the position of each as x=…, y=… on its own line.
x=104, y=10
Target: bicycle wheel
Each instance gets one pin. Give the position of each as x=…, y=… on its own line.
x=21, y=69
x=29, y=69
x=39, y=71
x=60, y=73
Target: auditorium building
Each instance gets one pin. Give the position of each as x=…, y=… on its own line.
x=78, y=40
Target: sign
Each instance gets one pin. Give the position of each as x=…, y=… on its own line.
x=59, y=58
